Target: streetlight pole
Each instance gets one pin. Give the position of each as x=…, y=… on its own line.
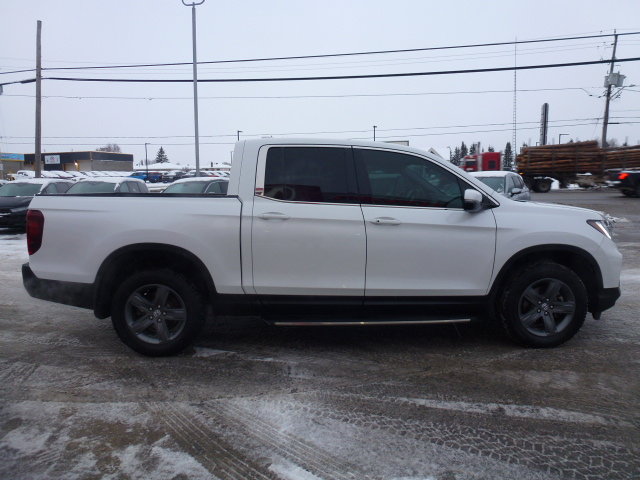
x=374, y=132
x=195, y=79
x=239, y=132
x=146, y=159
x=560, y=137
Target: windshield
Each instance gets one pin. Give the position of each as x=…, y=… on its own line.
x=92, y=187
x=16, y=189
x=187, y=187
x=497, y=183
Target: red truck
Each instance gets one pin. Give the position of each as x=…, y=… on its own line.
x=482, y=162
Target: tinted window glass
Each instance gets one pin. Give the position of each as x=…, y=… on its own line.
x=187, y=187
x=17, y=189
x=89, y=186
x=62, y=187
x=389, y=178
x=511, y=184
x=133, y=187
x=308, y=174
x=124, y=187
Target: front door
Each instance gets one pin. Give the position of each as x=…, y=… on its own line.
x=420, y=240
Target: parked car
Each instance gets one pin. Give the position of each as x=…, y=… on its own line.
x=108, y=185
x=215, y=186
x=173, y=175
x=324, y=231
x=16, y=196
x=509, y=184
x=151, y=177
x=627, y=181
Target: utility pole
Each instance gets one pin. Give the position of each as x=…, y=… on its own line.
x=605, y=121
x=195, y=79
x=374, y=132
x=239, y=132
x=38, y=146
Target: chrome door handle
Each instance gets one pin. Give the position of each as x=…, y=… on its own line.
x=273, y=216
x=385, y=221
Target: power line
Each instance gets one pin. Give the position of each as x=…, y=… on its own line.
x=267, y=97
x=331, y=77
x=319, y=133
x=329, y=55
x=322, y=132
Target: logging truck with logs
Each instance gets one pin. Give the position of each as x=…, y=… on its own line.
x=582, y=163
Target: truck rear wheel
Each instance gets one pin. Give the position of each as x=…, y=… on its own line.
x=543, y=306
x=157, y=312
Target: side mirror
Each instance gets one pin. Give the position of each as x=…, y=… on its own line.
x=516, y=191
x=472, y=200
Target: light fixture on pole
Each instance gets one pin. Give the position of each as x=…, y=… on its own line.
x=560, y=137
x=239, y=132
x=195, y=79
x=374, y=132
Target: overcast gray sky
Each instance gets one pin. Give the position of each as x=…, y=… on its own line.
x=91, y=32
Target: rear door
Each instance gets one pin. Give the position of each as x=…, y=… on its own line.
x=308, y=235
x=420, y=240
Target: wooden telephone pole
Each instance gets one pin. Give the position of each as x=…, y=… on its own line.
x=38, y=146
x=605, y=121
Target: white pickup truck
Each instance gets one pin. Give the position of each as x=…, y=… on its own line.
x=324, y=232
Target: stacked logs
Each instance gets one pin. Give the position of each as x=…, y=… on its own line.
x=577, y=157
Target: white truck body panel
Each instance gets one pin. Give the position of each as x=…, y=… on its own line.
x=82, y=231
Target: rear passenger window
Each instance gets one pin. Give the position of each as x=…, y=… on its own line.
x=308, y=174
x=133, y=187
x=62, y=187
x=124, y=187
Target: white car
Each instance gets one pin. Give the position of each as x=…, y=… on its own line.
x=509, y=184
x=92, y=185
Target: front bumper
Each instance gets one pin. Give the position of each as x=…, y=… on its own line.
x=604, y=299
x=68, y=293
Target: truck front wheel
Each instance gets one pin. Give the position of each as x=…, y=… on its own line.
x=544, y=305
x=157, y=312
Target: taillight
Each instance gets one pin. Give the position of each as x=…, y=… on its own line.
x=35, y=227
x=622, y=176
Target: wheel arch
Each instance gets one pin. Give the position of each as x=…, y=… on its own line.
x=126, y=260
x=574, y=258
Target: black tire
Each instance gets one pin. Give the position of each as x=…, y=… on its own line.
x=628, y=193
x=543, y=305
x=157, y=312
x=543, y=186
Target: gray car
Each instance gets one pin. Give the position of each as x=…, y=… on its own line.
x=509, y=184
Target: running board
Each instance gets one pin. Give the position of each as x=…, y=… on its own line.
x=369, y=323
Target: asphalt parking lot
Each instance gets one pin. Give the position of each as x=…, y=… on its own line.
x=257, y=402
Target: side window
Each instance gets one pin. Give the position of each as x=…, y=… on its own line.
x=519, y=182
x=49, y=189
x=62, y=187
x=124, y=187
x=390, y=178
x=308, y=174
x=133, y=187
x=511, y=183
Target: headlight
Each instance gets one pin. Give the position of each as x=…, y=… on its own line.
x=601, y=226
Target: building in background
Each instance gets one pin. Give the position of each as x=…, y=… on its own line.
x=82, y=161
x=10, y=163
